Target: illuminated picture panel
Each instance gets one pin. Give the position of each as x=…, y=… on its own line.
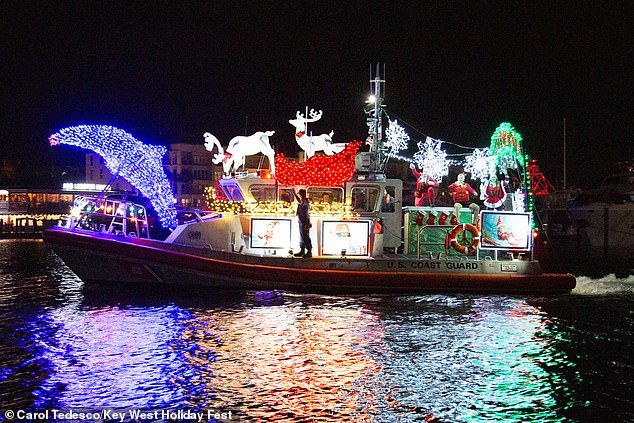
x=351, y=236
x=270, y=233
x=505, y=231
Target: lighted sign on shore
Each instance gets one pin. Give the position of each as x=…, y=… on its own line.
x=344, y=235
x=71, y=186
x=505, y=231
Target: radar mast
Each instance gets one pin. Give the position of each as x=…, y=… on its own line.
x=374, y=110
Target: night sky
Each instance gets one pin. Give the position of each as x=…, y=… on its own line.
x=169, y=71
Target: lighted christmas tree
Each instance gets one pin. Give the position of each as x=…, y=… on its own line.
x=506, y=147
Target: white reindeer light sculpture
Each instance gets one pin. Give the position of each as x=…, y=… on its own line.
x=239, y=147
x=311, y=144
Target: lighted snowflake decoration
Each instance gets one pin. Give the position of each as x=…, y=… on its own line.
x=479, y=164
x=397, y=138
x=431, y=157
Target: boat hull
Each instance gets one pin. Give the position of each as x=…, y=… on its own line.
x=106, y=258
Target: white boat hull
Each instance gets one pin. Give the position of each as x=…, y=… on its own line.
x=132, y=261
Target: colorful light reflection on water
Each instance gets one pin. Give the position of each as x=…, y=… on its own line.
x=294, y=358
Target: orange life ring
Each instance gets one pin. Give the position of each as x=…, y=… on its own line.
x=451, y=240
x=448, y=241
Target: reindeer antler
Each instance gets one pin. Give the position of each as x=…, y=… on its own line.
x=314, y=116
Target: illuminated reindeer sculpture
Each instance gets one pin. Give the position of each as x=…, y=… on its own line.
x=311, y=144
x=239, y=147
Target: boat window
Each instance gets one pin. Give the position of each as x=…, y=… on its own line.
x=325, y=195
x=262, y=192
x=186, y=216
x=232, y=191
x=364, y=198
x=387, y=203
x=286, y=194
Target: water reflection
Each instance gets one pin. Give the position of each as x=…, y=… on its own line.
x=108, y=357
x=283, y=363
x=468, y=359
x=361, y=359
x=294, y=358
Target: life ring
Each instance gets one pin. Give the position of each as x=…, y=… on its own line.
x=451, y=240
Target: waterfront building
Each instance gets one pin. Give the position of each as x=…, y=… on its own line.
x=189, y=169
x=30, y=210
x=98, y=173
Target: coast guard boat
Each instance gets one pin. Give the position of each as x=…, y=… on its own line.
x=364, y=239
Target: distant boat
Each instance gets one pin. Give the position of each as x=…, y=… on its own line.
x=598, y=221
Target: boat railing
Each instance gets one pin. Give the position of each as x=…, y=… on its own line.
x=436, y=253
x=113, y=216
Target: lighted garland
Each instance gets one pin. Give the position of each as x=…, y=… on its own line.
x=319, y=170
x=139, y=164
x=277, y=208
x=506, y=147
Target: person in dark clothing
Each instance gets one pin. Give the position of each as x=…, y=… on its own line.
x=303, y=217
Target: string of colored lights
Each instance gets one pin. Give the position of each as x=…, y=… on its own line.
x=277, y=208
x=506, y=147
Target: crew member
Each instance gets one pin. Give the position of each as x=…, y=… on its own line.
x=303, y=218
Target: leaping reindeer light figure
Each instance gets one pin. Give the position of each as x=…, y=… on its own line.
x=239, y=147
x=311, y=144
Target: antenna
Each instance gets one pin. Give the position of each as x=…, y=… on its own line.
x=564, y=154
x=374, y=110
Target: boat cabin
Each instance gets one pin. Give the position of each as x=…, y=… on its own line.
x=362, y=217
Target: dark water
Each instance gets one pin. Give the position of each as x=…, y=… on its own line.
x=298, y=358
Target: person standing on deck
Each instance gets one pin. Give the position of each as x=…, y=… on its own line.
x=303, y=217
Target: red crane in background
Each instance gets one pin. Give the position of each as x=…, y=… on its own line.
x=540, y=185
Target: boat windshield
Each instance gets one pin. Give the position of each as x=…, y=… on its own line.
x=325, y=194
x=262, y=192
x=387, y=203
x=364, y=198
x=232, y=191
